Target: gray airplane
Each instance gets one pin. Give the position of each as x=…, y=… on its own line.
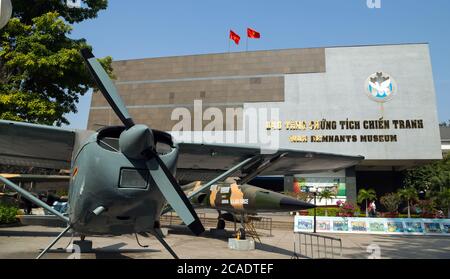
x=122, y=176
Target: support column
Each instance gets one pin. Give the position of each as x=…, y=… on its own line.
x=289, y=183
x=350, y=185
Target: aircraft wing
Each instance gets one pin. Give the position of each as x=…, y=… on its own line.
x=205, y=161
x=31, y=145
x=35, y=177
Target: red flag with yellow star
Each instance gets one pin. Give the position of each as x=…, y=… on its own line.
x=235, y=37
x=253, y=34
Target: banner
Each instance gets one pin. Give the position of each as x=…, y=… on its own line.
x=373, y=225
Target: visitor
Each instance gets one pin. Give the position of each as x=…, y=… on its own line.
x=372, y=209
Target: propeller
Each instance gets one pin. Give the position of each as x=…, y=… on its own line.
x=138, y=142
x=5, y=12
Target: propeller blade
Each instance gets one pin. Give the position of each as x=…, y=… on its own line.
x=163, y=177
x=172, y=192
x=107, y=88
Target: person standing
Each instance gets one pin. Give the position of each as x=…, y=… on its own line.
x=372, y=209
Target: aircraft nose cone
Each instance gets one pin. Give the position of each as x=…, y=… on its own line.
x=135, y=140
x=294, y=204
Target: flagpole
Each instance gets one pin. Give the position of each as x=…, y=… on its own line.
x=246, y=44
x=229, y=43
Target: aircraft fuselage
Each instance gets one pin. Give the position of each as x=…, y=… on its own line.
x=246, y=199
x=103, y=177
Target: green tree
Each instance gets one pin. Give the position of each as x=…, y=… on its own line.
x=429, y=178
x=42, y=74
x=326, y=194
x=444, y=200
x=366, y=195
x=433, y=179
x=27, y=10
x=409, y=195
x=390, y=202
x=444, y=124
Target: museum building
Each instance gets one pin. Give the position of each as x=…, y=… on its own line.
x=375, y=101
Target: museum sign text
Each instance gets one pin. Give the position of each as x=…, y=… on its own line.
x=351, y=126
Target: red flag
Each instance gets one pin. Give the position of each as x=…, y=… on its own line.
x=253, y=34
x=235, y=37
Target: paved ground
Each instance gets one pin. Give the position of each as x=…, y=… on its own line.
x=26, y=242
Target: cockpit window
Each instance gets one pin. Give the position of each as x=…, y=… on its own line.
x=134, y=178
x=110, y=144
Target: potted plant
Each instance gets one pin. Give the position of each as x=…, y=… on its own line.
x=409, y=195
x=391, y=202
x=366, y=195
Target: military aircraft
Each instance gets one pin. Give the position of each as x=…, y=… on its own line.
x=239, y=200
x=122, y=176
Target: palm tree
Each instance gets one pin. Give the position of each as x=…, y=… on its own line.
x=326, y=194
x=408, y=194
x=366, y=195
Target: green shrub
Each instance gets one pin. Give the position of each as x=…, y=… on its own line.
x=391, y=202
x=8, y=214
x=320, y=211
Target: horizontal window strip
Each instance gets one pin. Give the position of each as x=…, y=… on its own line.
x=174, y=106
x=197, y=79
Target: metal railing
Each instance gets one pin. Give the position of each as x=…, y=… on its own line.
x=262, y=223
x=305, y=243
x=172, y=218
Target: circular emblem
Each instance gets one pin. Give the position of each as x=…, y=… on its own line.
x=381, y=87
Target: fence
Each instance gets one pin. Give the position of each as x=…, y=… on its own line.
x=172, y=218
x=305, y=243
x=262, y=223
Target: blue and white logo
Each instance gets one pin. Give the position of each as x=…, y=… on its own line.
x=381, y=87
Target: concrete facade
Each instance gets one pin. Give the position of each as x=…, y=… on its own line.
x=152, y=88
x=305, y=86
x=339, y=94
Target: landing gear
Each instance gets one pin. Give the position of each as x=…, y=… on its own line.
x=220, y=224
x=220, y=221
x=82, y=246
x=139, y=243
x=241, y=232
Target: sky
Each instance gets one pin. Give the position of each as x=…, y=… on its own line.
x=142, y=29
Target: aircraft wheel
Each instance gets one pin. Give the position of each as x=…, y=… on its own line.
x=221, y=224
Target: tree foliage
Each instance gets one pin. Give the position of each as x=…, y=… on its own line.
x=430, y=178
x=27, y=10
x=42, y=74
x=8, y=214
x=391, y=202
x=364, y=195
x=445, y=124
x=434, y=179
x=409, y=195
x=326, y=194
